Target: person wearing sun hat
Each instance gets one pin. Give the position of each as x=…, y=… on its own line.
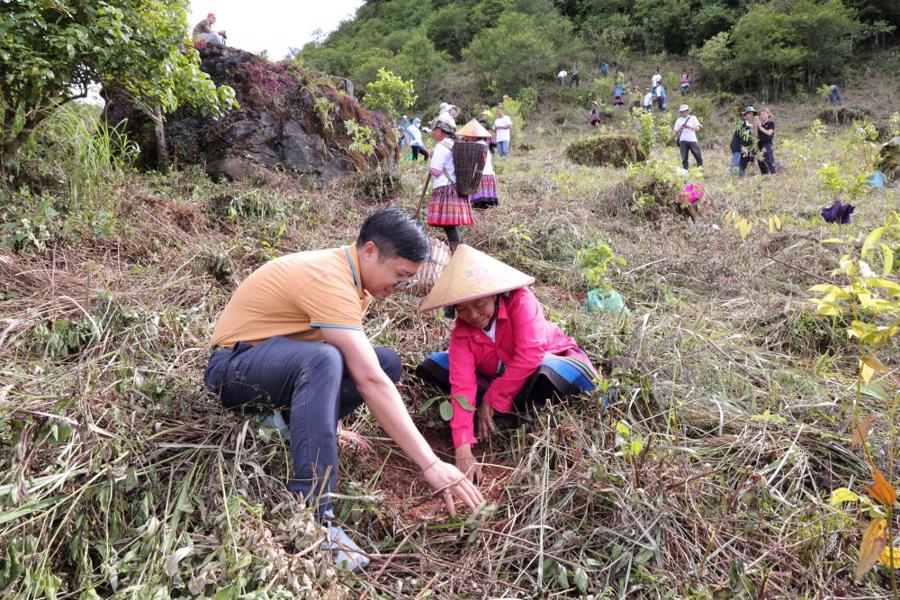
x=742, y=148
x=686, y=128
x=505, y=358
x=446, y=208
x=486, y=194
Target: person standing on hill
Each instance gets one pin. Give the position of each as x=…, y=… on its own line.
x=656, y=79
x=483, y=121
x=595, y=114
x=742, y=150
x=415, y=140
x=604, y=69
x=685, y=82
x=576, y=76
x=291, y=339
x=486, y=195
x=647, y=103
x=765, y=135
x=618, y=93
x=502, y=127
x=561, y=77
x=446, y=209
x=659, y=92
x=686, y=128
x=203, y=31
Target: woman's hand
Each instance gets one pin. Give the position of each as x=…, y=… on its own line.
x=465, y=462
x=447, y=480
x=486, y=424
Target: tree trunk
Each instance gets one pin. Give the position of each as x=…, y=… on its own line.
x=159, y=132
x=8, y=149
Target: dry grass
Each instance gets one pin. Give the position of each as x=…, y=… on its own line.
x=112, y=458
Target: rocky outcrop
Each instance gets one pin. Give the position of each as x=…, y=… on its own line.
x=290, y=120
x=889, y=159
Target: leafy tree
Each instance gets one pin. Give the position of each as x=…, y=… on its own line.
x=449, y=29
x=51, y=51
x=390, y=93
x=520, y=49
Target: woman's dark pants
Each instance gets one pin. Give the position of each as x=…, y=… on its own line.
x=310, y=381
x=767, y=162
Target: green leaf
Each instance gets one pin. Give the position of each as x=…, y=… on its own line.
x=581, y=580
x=464, y=403
x=887, y=256
x=769, y=417
x=841, y=495
x=446, y=409
x=871, y=240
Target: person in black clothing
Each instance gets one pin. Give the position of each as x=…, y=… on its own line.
x=742, y=150
x=765, y=128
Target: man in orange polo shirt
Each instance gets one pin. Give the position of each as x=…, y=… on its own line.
x=292, y=338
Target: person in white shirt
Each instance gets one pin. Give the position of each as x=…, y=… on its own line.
x=647, y=104
x=686, y=128
x=656, y=79
x=415, y=140
x=446, y=208
x=502, y=126
x=561, y=76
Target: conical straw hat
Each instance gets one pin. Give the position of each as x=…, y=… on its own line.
x=473, y=129
x=471, y=274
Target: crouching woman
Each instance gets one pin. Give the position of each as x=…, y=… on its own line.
x=505, y=358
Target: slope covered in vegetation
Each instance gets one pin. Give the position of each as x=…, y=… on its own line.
x=713, y=474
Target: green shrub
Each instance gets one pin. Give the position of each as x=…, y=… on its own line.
x=616, y=150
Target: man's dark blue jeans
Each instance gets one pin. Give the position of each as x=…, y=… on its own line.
x=307, y=379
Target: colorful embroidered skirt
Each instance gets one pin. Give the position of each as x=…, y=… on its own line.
x=446, y=207
x=486, y=194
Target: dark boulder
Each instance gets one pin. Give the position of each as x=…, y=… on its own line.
x=290, y=120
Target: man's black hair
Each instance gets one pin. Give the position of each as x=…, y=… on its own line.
x=396, y=234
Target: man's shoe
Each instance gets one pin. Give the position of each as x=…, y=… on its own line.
x=344, y=551
x=275, y=420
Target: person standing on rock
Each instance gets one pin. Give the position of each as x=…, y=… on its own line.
x=765, y=136
x=203, y=31
x=686, y=128
x=502, y=127
x=446, y=208
x=291, y=339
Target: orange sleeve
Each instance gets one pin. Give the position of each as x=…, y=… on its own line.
x=331, y=302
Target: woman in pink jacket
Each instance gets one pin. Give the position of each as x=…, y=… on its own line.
x=504, y=357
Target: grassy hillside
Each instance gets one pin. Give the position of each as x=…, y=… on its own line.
x=709, y=477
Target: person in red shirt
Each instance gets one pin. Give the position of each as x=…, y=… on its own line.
x=505, y=358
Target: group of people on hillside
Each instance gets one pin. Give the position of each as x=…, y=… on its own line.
x=447, y=208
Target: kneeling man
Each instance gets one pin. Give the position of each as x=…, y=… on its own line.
x=292, y=338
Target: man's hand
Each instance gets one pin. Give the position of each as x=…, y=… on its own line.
x=486, y=424
x=465, y=462
x=449, y=481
